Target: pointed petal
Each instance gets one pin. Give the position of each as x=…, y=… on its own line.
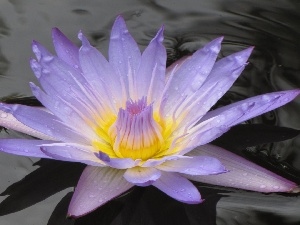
x=242, y=173
x=261, y=104
x=220, y=120
x=100, y=74
x=206, y=131
x=221, y=78
x=64, y=112
x=8, y=121
x=155, y=162
x=142, y=176
x=71, y=153
x=150, y=79
x=43, y=122
x=64, y=83
x=124, y=54
x=178, y=188
x=25, y=147
x=224, y=67
x=96, y=186
x=191, y=74
x=64, y=48
x=197, y=165
x=117, y=163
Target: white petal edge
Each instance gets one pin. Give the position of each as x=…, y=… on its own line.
x=242, y=173
x=96, y=186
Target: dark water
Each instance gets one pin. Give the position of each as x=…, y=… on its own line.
x=271, y=26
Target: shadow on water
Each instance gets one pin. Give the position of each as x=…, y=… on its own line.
x=39, y=191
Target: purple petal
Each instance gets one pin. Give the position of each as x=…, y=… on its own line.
x=71, y=153
x=117, y=163
x=124, y=53
x=64, y=83
x=68, y=114
x=206, y=131
x=96, y=186
x=220, y=120
x=178, y=188
x=64, y=48
x=191, y=74
x=8, y=121
x=122, y=163
x=197, y=165
x=40, y=51
x=242, y=173
x=261, y=104
x=25, y=147
x=99, y=73
x=43, y=122
x=142, y=176
x=225, y=67
x=221, y=78
x=158, y=161
x=150, y=79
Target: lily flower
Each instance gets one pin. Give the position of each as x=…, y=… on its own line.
x=134, y=122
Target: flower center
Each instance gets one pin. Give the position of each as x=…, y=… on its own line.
x=135, y=134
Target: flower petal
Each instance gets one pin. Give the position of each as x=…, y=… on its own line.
x=105, y=82
x=65, y=84
x=220, y=120
x=242, y=173
x=142, y=176
x=158, y=161
x=221, y=78
x=65, y=112
x=43, y=122
x=225, y=67
x=71, y=153
x=190, y=75
x=96, y=186
x=150, y=79
x=64, y=48
x=261, y=104
x=197, y=165
x=124, y=53
x=178, y=188
x=8, y=121
x=25, y=147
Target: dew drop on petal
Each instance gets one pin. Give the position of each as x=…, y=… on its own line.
x=48, y=59
x=262, y=186
x=3, y=115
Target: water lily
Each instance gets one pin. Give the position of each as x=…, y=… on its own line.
x=134, y=122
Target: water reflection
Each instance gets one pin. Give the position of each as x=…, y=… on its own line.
x=274, y=65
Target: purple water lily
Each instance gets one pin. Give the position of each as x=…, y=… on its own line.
x=134, y=122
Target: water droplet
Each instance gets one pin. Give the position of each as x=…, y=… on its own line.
x=262, y=186
x=182, y=190
x=48, y=59
x=3, y=115
x=45, y=71
x=245, y=174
